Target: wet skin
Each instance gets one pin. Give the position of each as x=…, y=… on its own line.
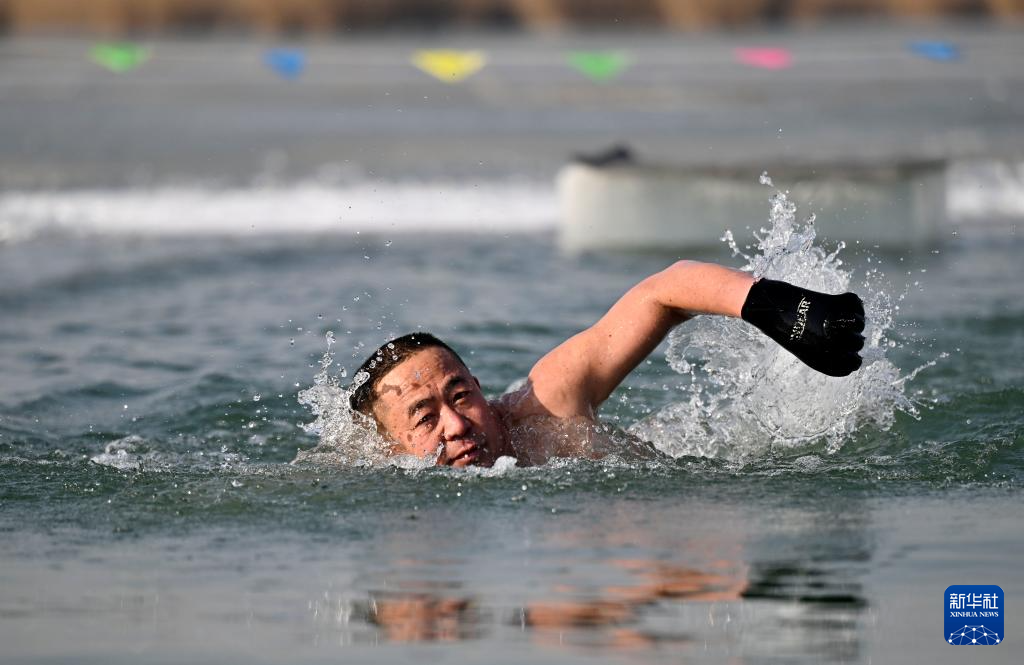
x=430, y=404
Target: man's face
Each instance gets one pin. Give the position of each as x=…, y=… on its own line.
x=429, y=400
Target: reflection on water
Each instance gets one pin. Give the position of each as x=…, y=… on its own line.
x=785, y=607
x=423, y=616
x=609, y=616
x=778, y=576
x=616, y=616
x=818, y=609
x=650, y=579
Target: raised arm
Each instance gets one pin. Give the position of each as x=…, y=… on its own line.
x=580, y=374
x=821, y=330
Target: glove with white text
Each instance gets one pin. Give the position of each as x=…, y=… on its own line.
x=822, y=330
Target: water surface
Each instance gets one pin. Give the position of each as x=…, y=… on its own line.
x=148, y=414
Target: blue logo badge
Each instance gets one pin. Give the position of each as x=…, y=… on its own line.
x=974, y=614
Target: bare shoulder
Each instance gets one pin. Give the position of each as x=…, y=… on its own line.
x=536, y=434
x=518, y=405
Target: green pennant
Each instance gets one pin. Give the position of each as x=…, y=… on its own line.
x=120, y=57
x=598, y=65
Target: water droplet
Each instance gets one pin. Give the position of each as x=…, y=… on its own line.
x=256, y=397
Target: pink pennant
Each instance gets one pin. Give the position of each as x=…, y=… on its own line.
x=765, y=58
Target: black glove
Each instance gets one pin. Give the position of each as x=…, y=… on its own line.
x=821, y=330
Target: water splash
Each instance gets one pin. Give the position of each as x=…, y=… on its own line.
x=135, y=453
x=748, y=396
x=346, y=436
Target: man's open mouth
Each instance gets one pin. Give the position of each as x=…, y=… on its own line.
x=469, y=455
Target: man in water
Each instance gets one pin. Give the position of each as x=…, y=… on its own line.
x=426, y=403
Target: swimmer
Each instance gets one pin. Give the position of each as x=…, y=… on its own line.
x=423, y=399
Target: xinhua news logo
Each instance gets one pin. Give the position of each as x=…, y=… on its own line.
x=974, y=614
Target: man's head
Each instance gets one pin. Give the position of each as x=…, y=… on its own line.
x=422, y=397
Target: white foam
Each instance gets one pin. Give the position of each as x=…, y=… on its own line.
x=977, y=192
x=134, y=453
x=368, y=206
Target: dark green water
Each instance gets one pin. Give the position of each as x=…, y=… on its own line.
x=148, y=512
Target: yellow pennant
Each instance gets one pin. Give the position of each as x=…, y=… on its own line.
x=449, y=66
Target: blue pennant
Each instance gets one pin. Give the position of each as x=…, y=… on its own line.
x=288, y=62
x=938, y=51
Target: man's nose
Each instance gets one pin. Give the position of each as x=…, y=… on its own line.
x=455, y=424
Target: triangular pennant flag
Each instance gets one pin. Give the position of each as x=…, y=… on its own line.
x=449, y=66
x=765, y=58
x=288, y=62
x=598, y=65
x=122, y=57
x=938, y=51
